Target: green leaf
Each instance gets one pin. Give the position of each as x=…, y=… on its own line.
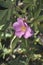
x=36, y=14
x=3, y=20
x=41, y=28
x=9, y=13
x=6, y=3
x=28, y=1
x=2, y=14
x=0, y=46
x=6, y=19
x=39, y=19
x=41, y=4
x=17, y=61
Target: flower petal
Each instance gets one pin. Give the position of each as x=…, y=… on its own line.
x=20, y=21
x=28, y=27
x=19, y=34
x=28, y=33
x=17, y=26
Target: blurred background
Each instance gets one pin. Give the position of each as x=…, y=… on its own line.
x=13, y=51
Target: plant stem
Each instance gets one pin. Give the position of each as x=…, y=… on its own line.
x=27, y=60
x=26, y=43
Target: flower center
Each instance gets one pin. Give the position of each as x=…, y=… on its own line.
x=23, y=28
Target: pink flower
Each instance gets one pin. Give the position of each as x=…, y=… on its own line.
x=22, y=29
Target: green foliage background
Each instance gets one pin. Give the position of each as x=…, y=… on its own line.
x=30, y=51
